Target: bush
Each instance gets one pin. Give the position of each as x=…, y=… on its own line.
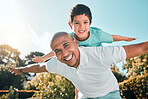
x=51, y=86
x=7, y=79
x=135, y=88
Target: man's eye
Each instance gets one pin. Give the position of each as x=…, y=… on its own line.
x=57, y=51
x=65, y=46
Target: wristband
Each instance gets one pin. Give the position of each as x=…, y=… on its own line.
x=21, y=71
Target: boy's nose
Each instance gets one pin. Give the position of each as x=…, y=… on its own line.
x=81, y=25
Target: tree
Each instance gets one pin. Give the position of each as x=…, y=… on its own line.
x=137, y=65
x=136, y=85
x=7, y=79
x=51, y=86
x=9, y=54
x=120, y=76
x=29, y=57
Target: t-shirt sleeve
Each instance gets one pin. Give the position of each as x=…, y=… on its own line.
x=105, y=37
x=55, y=66
x=72, y=35
x=112, y=55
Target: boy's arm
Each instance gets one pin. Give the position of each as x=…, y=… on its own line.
x=122, y=38
x=34, y=68
x=136, y=49
x=43, y=58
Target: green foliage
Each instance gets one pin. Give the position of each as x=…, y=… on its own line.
x=7, y=79
x=137, y=84
x=12, y=93
x=136, y=88
x=51, y=86
x=137, y=65
x=9, y=54
x=120, y=77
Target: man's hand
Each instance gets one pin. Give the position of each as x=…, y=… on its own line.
x=14, y=70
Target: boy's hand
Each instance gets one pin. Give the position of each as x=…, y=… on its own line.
x=38, y=59
x=14, y=70
x=130, y=39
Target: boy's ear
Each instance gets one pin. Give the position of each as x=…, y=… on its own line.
x=70, y=25
x=90, y=22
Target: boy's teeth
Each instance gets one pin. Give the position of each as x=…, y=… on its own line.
x=81, y=31
x=68, y=58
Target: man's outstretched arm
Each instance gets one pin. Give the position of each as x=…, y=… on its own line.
x=136, y=49
x=34, y=68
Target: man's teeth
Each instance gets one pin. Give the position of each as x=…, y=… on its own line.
x=67, y=59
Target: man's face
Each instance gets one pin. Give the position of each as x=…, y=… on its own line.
x=81, y=25
x=66, y=50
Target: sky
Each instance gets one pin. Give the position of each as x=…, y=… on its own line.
x=28, y=25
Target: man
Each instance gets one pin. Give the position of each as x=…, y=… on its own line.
x=88, y=68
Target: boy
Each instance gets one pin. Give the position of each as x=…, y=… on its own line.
x=80, y=19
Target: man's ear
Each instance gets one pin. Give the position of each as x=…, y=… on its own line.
x=75, y=42
x=70, y=25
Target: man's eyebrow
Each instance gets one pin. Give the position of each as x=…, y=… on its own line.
x=55, y=50
x=65, y=43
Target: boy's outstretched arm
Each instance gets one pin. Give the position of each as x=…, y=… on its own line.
x=43, y=58
x=122, y=38
x=136, y=49
x=34, y=68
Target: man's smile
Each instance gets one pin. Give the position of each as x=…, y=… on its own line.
x=69, y=58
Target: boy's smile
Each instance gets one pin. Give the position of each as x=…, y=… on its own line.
x=81, y=25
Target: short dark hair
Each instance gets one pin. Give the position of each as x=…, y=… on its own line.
x=80, y=9
x=57, y=35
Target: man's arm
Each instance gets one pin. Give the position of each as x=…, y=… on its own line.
x=136, y=49
x=34, y=68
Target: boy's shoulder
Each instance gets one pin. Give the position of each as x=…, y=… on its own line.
x=95, y=28
x=71, y=34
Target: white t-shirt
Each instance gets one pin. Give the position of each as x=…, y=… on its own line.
x=93, y=77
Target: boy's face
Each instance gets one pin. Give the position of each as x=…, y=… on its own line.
x=81, y=25
x=66, y=50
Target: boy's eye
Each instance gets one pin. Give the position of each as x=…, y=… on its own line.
x=76, y=23
x=85, y=22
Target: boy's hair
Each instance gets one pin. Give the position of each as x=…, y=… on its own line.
x=80, y=9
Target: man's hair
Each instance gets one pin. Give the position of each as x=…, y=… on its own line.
x=80, y=9
x=57, y=35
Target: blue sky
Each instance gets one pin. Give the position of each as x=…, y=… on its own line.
x=28, y=25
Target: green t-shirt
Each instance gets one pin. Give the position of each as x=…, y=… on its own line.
x=97, y=36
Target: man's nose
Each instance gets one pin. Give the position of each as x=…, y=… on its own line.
x=64, y=52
